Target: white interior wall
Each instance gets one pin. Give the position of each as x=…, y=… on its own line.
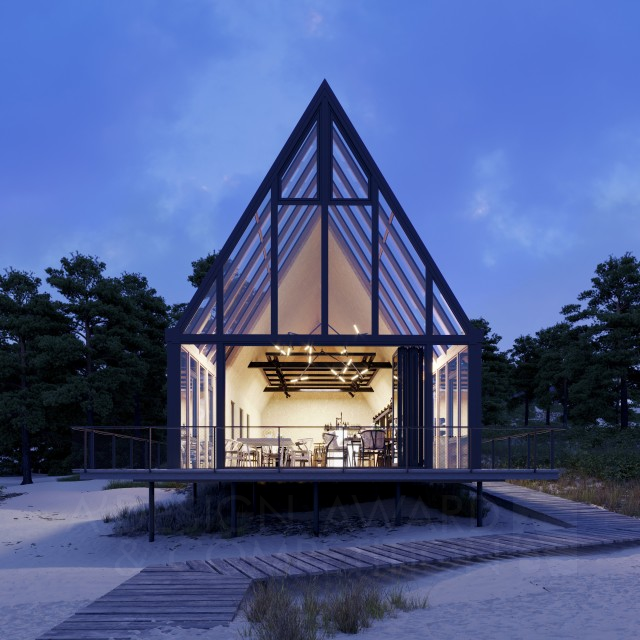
x=315, y=409
x=244, y=386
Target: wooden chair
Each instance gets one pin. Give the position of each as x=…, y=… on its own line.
x=372, y=448
x=334, y=453
x=301, y=456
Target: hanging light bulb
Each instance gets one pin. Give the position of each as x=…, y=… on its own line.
x=303, y=378
x=345, y=369
x=309, y=359
x=288, y=351
x=356, y=376
x=355, y=326
x=335, y=373
x=341, y=379
x=364, y=371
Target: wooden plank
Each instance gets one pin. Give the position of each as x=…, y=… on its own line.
x=247, y=569
x=470, y=544
x=436, y=556
x=267, y=569
x=386, y=559
x=410, y=551
x=411, y=556
x=323, y=565
x=225, y=569
x=352, y=552
x=285, y=567
x=308, y=568
x=337, y=564
x=353, y=562
x=454, y=553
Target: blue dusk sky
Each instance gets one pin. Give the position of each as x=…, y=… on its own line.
x=138, y=131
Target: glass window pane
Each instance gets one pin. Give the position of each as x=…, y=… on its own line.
x=247, y=278
x=197, y=405
x=349, y=178
x=402, y=276
x=299, y=269
x=300, y=178
x=445, y=322
x=350, y=269
x=204, y=319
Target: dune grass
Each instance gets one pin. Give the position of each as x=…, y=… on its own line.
x=186, y=516
x=277, y=611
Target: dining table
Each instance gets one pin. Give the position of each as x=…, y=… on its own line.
x=267, y=443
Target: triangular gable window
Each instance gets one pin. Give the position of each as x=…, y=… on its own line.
x=331, y=199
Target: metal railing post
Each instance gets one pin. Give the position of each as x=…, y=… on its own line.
x=509, y=452
x=552, y=450
x=535, y=448
x=113, y=451
x=150, y=449
x=528, y=451
x=493, y=453
x=85, y=450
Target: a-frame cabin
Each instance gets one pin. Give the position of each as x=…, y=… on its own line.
x=324, y=334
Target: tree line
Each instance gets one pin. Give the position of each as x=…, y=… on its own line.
x=587, y=365
x=94, y=354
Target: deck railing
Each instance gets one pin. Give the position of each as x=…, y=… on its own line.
x=147, y=447
x=531, y=448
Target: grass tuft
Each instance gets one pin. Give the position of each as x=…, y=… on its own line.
x=275, y=611
x=399, y=599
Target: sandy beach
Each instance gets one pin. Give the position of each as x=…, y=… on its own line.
x=57, y=555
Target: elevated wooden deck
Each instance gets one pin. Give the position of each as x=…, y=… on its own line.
x=205, y=594
x=319, y=474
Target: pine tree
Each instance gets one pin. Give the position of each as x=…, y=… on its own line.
x=611, y=319
x=29, y=324
x=525, y=357
x=496, y=377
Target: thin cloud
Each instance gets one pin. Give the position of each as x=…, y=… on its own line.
x=510, y=224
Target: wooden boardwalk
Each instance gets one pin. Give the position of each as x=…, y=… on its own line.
x=203, y=594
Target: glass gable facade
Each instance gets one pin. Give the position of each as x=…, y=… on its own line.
x=323, y=257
